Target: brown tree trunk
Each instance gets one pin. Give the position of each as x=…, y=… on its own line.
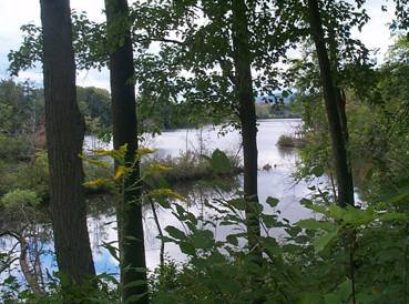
x=30, y=274
x=130, y=220
x=247, y=112
x=65, y=132
x=334, y=108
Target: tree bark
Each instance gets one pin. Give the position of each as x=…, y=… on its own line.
x=335, y=110
x=30, y=275
x=64, y=133
x=124, y=120
x=247, y=113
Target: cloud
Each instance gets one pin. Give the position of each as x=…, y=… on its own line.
x=94, y=78
x=376, y=34
x=14, y=13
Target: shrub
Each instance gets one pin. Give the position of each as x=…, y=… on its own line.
x=287, y=141
x=14, y=148
x=26, y=175
x=20, y=197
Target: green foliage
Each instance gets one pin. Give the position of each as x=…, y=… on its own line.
x=313, y=265
x=19, y=197
x=288, y=141
x=192, y=166
x=15, y=148
x=220, y=163
x=377, y=123
x=12, y=291
x=21, y=107
x=347, y=255
x=32, y=176
x=277, y=110
x=95, y=105
x=369, y=239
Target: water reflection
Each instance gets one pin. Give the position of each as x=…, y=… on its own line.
x=276, y=182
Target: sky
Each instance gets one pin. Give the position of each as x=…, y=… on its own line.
x=14, y=13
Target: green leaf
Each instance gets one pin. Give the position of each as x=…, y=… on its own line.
x=312, y=224
x=321, y=243
x=341, y=295
x=269, y=220
x=164, y=203
x=318, y=171
x=238, y=204
x=393, y=216
x=311, y=298
x=332, y=298
x=135, y=298
x=175, y=233
x=187, y=248
x=219, y=162
x=272, y=201
x=202, y=239
x=232, y=239
x=345, y=289
x=111, y=249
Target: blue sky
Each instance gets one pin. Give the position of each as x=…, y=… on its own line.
x=14, y=13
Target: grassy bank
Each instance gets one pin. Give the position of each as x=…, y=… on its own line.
x=32, y=175
x=289, y=141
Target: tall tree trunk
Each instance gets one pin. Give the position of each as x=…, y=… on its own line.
x=130, y=220
x=247, y=112
x=65, y=133
x=334, y=108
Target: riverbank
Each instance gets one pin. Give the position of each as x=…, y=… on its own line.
x=291, y=141
x=186, y=168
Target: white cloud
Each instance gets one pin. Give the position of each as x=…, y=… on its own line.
x=376, y=34
x=14, y=13
x=94, y=78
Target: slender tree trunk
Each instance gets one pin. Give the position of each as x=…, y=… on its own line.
x=341, y=98
x=65, y=132
x=336, y=118
x=247, y=112
x=130, y=220
x=30, y=275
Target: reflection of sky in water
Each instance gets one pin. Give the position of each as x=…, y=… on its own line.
x=276, y=182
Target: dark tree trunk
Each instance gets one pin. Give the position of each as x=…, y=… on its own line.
x=130, y=220
x=247, y=113
x=65, y=132
x=335, y=109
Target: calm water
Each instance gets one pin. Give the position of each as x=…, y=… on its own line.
x=277, y=182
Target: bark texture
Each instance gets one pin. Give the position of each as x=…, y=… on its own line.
x=335, y=107
x=247, y=113
x=130, y=220
x=65, y=133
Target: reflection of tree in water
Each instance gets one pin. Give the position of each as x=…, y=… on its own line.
x=25, y=237
x=196, y=195
x=287, y=153
x=198, y=192
x=26, y=234
x=101, y=215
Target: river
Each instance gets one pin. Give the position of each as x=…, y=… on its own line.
x=277, y=182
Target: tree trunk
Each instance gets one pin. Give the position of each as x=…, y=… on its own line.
x=334, y=108
x=247, y=112
x=65, y=133
x=130, y=220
